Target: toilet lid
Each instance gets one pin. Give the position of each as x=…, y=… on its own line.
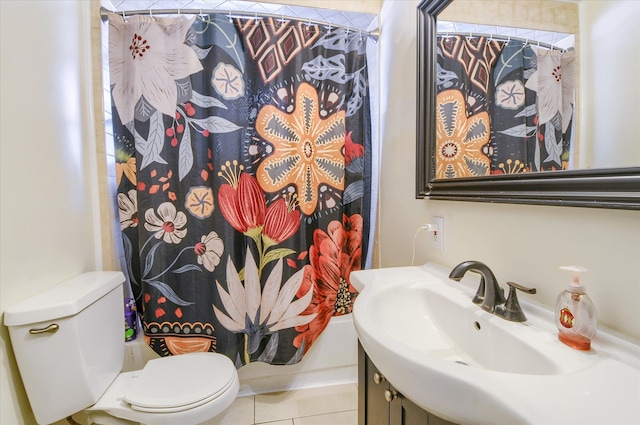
x=180, y=382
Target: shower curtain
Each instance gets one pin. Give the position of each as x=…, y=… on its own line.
x=243, y=161
x=502, y=107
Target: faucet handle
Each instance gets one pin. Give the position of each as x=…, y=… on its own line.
x=511, y=309
x=521, y=288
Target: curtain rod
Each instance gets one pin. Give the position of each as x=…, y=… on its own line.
x=503, y=38
x=230, y=13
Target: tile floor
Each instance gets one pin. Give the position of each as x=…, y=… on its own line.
x=334, y=405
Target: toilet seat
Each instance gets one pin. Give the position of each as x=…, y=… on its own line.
x=158, y=399
x=177, y=383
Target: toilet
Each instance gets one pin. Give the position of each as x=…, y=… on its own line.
x=69, y=345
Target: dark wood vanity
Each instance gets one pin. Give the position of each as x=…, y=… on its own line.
x=379, y=403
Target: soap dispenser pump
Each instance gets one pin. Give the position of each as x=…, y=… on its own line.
x=575, y=313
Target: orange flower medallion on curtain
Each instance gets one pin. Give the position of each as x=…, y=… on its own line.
x=307, y=148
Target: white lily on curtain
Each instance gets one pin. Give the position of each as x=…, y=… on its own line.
x=554, y=82
x=259, y=312
x=147, y=57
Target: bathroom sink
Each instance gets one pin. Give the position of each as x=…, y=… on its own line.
x=465, y=365
x=444, y=324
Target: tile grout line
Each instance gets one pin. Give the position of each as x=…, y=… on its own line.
x=292, y=420
x=306, y=416
x=327, y=413
x=254, y=409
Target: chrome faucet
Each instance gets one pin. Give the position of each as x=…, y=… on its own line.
x=490, y=296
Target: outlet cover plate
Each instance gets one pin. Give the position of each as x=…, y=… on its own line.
x=436, y=239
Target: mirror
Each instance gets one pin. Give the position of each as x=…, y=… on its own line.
x=590, y=187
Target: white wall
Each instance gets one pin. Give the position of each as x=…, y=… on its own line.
x=610, y=64
x=525, y=244
x=48, y=198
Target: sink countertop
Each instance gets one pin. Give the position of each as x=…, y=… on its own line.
x=598, y=386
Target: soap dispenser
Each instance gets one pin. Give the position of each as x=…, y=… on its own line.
x=575, y=313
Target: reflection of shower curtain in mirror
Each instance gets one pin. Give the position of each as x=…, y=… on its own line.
x=502, y=107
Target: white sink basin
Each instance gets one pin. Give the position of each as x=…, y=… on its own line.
x=470, y=367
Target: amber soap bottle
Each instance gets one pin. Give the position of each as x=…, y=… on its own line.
x=575, y=313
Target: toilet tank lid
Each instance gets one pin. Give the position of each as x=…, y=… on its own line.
x=65, y=299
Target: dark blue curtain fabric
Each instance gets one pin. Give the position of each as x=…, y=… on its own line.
x=242, y=151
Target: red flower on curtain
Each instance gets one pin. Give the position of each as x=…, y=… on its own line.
x=242, y=201
x=333, y=255
x=243, y=205
x=352, y=150
x=282, y=221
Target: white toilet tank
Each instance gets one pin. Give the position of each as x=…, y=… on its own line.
x=69, y=343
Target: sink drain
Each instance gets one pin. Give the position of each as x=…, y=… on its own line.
x=461, y=362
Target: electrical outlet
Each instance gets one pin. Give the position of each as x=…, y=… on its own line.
x=436, y=238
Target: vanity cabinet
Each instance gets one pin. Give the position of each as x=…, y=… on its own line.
x=379, y=403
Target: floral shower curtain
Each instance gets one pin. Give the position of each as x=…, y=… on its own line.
x=502, y=107
x=243, y=152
